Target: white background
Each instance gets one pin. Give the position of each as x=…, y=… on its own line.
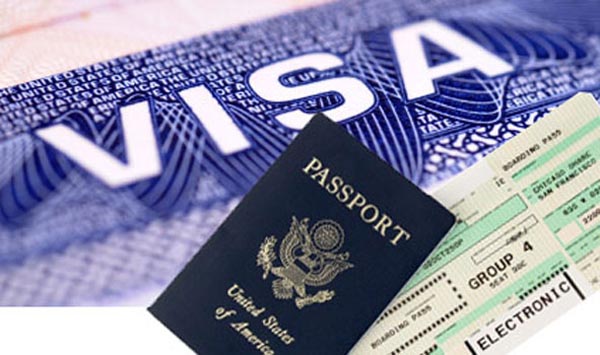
x=132, y=331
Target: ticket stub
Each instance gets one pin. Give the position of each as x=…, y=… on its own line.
x=525, y=250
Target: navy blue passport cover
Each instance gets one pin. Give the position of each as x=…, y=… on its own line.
x=309, y=258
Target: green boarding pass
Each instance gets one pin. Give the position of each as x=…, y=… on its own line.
x=526, y=248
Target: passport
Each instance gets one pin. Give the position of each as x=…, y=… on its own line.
x=310, y=257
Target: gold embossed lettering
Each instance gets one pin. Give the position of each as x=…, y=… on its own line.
x=369, y=212
x=364, y=212
x=358, y=200
x=314, y=165
x=383, y=224
x=334, y=185
x=321, y=176
x=273, y=325
x=402, y=233
x=345, y=193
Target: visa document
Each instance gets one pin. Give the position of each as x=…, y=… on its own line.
x=114, y=174
x=525, y=250
x=41, y=38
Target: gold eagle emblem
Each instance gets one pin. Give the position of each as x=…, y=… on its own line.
x=308, y=258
